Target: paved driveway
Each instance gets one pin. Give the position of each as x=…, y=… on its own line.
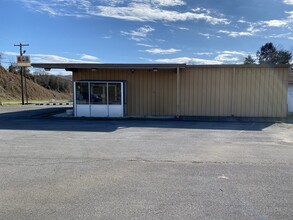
x=54, y=168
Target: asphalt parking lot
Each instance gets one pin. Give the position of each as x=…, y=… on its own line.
x=57, y=168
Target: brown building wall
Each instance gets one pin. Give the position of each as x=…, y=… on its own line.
x=206, y=91
x=290, y=78
x=243, y=91
x=247, y=91
x=147, y=92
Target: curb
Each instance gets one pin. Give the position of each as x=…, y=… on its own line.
x=55, y=103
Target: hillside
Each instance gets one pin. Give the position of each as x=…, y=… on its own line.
x=10, y=89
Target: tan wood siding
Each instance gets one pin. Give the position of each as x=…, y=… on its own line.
x=242, y=91
x=238, y=91
x=290, y=77
x=206, y=91
x=148, y=92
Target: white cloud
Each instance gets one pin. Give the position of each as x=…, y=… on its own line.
x=133, y=10
x=242, y=21
x=139, y=34
x=206, y=11
x=235, y=33
x=59, y=7
x=253, y=28
x=162, y=51
x=88, y=57
x=227, y=58
x=209, y=36
x=11, y=53
x=290, y=17
x=184, y=28
x=145, y=45
x=241, y=53
x=164, y=3
x=145, y=12
x=48, y=9
x=188, y=60
x=48, y=58
x=276, y=23
x=282, y=35
x=221, y=57
x=204, y=53
x=235, y=57
x=288, y=2
x=59, y=72
x=168, y=2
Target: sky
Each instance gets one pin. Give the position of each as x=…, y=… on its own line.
x=143, y=31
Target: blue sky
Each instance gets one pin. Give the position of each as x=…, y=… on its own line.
x=144, y=31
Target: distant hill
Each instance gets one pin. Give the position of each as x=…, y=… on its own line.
x=38, y=87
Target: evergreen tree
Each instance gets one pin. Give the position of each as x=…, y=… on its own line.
x=269, y=54
x=249, y=60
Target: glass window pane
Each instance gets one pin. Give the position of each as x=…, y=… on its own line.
x=114, y=91
x=82, y=93
x=99, y=93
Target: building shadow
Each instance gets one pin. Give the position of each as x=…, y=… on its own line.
x=43, y=120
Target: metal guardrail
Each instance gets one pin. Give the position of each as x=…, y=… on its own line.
x=54, y=103
x=36, y=103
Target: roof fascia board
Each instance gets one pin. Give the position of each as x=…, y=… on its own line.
x=105, y=66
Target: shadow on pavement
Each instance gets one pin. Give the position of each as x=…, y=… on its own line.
x=39, y=119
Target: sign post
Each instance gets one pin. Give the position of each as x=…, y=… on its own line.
x=22, y=61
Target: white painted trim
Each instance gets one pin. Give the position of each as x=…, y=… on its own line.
x=117, y=110
x=74, y=99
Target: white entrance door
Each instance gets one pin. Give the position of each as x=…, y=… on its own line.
x=81, y=99
x=99, y=99
x=115, y=99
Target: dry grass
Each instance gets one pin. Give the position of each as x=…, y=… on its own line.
x=10, y=89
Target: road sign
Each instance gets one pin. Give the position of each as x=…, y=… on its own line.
x=24, y=61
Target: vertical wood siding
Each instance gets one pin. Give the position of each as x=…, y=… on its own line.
x=242, y=91
x=206, y=91
x=234, y=91
x=147, y=92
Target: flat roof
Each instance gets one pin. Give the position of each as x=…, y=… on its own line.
x=72, y=66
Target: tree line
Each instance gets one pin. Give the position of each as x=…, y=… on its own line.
x=44, y=79
x=52, y=82
x=269, y=54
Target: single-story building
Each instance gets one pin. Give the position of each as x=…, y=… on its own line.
x=142, y=90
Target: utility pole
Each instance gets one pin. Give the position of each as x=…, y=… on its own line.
x=20, y=45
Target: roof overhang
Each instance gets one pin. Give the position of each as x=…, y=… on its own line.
x=76, y=66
